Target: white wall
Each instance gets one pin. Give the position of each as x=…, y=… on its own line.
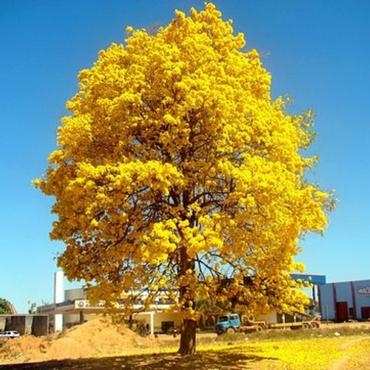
x=77, y=293
x=270, y=318
x=58, y=298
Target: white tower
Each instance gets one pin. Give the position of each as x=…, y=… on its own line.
x=58, y=298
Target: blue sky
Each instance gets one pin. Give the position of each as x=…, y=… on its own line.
x=317, y=51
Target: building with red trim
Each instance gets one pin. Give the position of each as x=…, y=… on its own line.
x=344, y=301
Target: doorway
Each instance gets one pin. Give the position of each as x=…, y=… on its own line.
x=365, y=312
x=341, y=311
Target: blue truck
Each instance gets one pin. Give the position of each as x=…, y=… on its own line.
x=232, y=323
x=228, y=324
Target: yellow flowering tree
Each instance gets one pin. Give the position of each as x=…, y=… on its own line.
x=177, y=173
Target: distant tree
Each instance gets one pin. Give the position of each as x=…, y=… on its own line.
x=5, y=307
x=32, y=307
x=177, y=170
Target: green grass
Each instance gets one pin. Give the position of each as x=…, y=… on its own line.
x=281, y=334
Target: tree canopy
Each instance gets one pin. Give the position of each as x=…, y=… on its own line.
x=5, y=307
x=177, y=170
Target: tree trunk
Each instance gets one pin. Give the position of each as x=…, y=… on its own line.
x=186, y=264
x=188, y=337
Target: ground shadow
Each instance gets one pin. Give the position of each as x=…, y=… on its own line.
x=220, y=360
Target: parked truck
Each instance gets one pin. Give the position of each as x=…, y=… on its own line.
x=228, y=324
x=232, y=323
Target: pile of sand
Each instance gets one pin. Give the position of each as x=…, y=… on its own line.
x=95, y=338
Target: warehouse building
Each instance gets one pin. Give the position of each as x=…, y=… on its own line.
x=344, y=301
x=71, y=307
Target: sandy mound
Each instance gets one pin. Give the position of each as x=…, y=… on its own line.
x=98, y=337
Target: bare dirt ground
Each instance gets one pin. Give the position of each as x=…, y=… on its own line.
x=95, y=338
x=98, y=344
